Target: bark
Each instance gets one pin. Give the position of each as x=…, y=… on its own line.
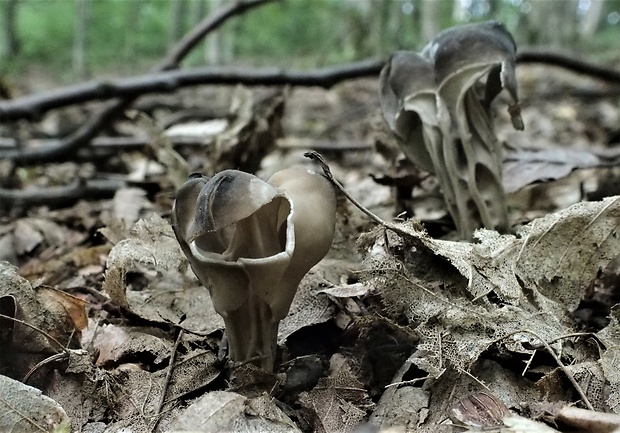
x=177, y=20
x=10, y=41
x=80, y=41
x=429, y=19
x=592, y=19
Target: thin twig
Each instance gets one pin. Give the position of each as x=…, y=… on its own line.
x=316, y=156
x=408, y=382
x=474, y=378
x=33, y=106
x=171, y=365
x=57, y=357
x=551, y=352
x=48, y=336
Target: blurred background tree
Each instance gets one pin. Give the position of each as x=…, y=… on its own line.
x=120, y=37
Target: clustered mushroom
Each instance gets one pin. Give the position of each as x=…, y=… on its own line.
x=250, y=242
x=437, y=103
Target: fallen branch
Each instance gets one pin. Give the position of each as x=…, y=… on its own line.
x=60, y=195
x=571, y=63
x=111, y=144
x=32, y=107
x=164, y=81
x=90, y=129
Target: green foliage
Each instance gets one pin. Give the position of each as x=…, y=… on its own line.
x=289, y=30
x=130, y=36
x=45, y=30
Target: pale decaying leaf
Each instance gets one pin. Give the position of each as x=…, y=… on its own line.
x=24, y=409
x=338, y=401
x=610, y=360
x=525, y=166
x=535, y=281
x=309, y=306
x=148, y=274
x=229, y=412
x=114, y=343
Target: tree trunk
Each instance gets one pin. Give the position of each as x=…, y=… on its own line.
x=429, y=19
x=219, y=44
x=131, y=36
x=80, y=39
x=591, y=21
x=552, y=23
x=177, y=21
x=10, y=42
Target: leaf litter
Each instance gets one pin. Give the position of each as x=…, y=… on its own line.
x=393, y=333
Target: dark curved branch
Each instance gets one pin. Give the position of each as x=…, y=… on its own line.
x=90, y=129
x=130, y=88
x=190, y=40
x=570, y=63
x=168, y=81
x=60, y=195
x=31, y=107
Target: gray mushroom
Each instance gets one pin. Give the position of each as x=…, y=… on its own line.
x=438, y=105
x=250, y=242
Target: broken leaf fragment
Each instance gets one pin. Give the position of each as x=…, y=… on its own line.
x=25, y=409
x=251, y=242
x=148, y=275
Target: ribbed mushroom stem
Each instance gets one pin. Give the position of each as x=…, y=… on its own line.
x=252, y=333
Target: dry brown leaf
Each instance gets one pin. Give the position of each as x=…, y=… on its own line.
x=228, y=412
x=128, y=203
x=524, y=166
x=536, y=280
x=339, y=401
x=148, y=274
x=30, y=309
x=62, y=304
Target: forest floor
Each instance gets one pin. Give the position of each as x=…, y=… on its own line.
x=395, y=330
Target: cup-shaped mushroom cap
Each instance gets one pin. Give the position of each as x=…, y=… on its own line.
x=225, y=219
x=459, y=46
x=472, y=51
x=251, y=242
x=229, y=196
x=407, y=96
x=313, y=216
x=184, y=207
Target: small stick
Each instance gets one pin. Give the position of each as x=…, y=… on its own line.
x=568, y=374
x=57, y=357
x=316, y=156
x=162, y=397
x=328, y=174
x=48, y=336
